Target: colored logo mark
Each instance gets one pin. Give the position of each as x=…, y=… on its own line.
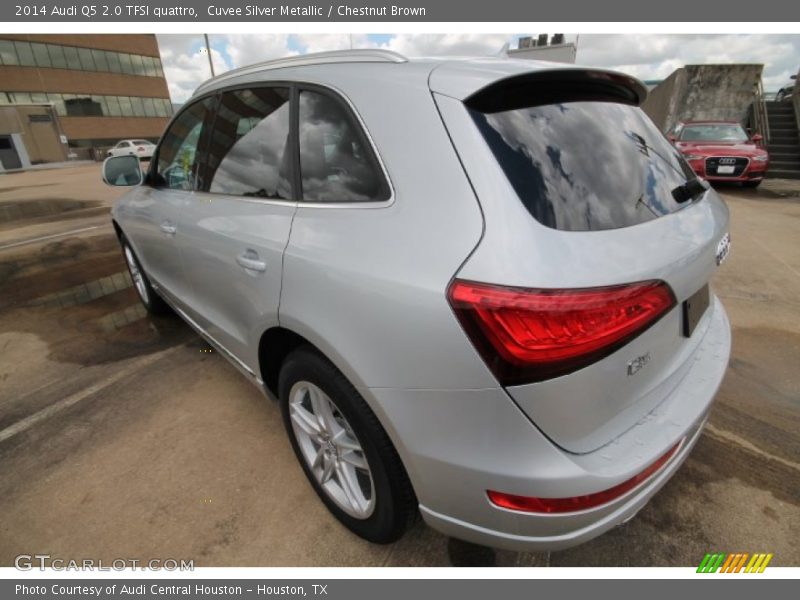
x=741, y=562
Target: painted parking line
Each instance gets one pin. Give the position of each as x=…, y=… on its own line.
x=48, y=237
x=72, y=399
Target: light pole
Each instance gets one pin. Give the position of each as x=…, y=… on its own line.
x=208, y=51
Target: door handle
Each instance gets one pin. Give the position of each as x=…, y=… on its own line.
x=249, y=260
x=168, y=228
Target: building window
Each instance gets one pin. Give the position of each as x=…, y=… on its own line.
x=41, y=55
x=100, y=60
x=8, y=55
x=57, y=56
x=86, y=105
x=25, y=54
x=73, y=61
x=113, y=62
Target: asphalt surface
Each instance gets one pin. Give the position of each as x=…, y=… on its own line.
x=123, y=436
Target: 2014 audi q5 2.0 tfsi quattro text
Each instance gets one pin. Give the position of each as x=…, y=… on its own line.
x=478, y=288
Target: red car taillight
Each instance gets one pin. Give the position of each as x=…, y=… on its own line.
x=527, y=335
x=140, y=148
x=563, y=505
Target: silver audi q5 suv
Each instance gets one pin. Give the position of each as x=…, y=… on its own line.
x=478, y=288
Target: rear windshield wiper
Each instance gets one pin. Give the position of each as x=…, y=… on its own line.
x=690, y=190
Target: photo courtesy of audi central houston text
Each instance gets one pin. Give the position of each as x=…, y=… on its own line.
x=399, y=300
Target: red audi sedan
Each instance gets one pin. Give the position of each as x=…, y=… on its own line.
x=722, y=151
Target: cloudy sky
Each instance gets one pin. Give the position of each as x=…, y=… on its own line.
x=651, y=56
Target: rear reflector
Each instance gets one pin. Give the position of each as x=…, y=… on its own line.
x=527, y=335
x=530, y=504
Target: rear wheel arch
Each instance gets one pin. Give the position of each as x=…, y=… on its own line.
x=277, y=343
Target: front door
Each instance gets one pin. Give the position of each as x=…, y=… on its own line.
x=156, y=209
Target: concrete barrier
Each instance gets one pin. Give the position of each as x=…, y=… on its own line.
x=697, y=92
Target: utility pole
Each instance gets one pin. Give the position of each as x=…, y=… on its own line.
x=208, y=51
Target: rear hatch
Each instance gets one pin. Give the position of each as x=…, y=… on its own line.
x=581, y=191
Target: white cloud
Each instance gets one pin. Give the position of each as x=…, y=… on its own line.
x=656, y=56
x=450, y=44
x=644, y=56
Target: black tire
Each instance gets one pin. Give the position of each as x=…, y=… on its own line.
x=150, y=299
x=395, y=503
x=751, y=184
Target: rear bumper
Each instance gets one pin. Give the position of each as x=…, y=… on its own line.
x=576, y=531
x=456, y=445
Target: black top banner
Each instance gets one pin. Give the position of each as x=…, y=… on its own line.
x=445, y=11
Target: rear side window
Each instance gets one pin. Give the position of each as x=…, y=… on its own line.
x=178, y=166
x=585, y=166
x=249, y=151
x=336, y=162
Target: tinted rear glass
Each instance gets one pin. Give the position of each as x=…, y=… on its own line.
x=586, y=166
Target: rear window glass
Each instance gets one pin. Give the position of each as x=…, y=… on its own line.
x=586, y=166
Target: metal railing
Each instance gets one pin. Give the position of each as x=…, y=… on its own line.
x=760, y=118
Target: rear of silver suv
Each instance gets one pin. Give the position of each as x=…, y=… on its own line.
x=510, y=327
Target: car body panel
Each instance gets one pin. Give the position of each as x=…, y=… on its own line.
x=367, y=283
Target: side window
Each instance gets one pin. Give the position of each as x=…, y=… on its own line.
x=249, y=147
x=336, y=163
x=178, y=165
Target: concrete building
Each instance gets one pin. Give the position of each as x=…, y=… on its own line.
x=102, y=88
x=30, y=134
x=554, y=49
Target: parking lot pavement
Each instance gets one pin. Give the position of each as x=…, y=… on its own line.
x=123, y=436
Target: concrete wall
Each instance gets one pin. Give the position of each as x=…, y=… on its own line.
x=41, y=138
x=796, y=99
x=113, y=128
x=697, y=92
x=661, y=101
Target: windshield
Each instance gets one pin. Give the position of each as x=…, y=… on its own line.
x=713, y=132
x=142, y=143
x=586, y=166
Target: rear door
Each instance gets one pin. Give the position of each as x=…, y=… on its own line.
x=236, y=229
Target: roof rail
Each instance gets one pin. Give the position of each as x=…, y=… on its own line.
x=314, y=58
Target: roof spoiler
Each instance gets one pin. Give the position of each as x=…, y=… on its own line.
x=555, y=87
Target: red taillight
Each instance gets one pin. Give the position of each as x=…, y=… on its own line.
x=576, y=503
x=528, y=335
x=140, y=148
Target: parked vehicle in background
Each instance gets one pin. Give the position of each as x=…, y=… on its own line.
x=142, y=149
x=722, y=151
x=479, y=288
x=786, y=93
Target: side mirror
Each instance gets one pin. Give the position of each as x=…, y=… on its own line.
x=757, y=138
x=122, y=171
x=671, y=137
